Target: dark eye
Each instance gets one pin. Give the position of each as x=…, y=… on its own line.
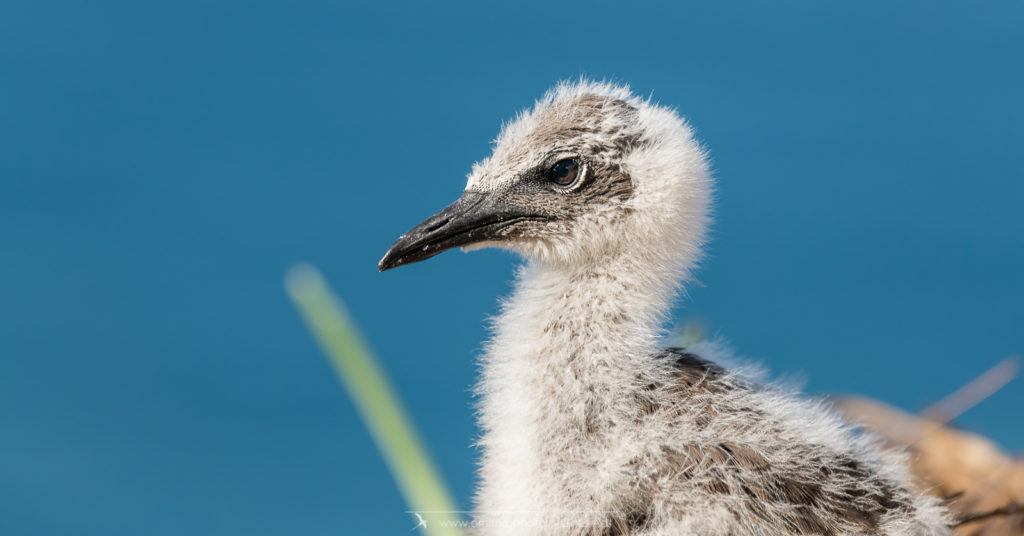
x=564, y=172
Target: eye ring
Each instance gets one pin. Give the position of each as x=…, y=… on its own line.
x=565, y=172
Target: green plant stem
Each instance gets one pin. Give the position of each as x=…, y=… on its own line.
x=379, y=406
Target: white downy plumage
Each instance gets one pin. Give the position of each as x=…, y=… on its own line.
x=589, y=426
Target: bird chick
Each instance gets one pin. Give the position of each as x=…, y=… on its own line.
x=589, y=426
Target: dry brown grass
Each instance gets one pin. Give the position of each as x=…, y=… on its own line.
x=968, y=469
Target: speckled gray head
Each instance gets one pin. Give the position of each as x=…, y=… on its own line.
x=589, y=170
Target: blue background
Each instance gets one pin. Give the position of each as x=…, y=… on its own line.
x=161, y=165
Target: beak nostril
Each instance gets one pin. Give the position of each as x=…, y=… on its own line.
x=437, y=225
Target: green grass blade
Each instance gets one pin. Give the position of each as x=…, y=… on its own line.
x=381, y=410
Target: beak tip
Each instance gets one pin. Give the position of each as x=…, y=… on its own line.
x=394, y=258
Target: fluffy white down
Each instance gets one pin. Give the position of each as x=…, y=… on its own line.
x=573, y=344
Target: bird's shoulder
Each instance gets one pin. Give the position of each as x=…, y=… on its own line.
x=739, y=447
x=687, y=360
x=691, y=371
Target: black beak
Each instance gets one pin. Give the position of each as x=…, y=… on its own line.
x=474, y=218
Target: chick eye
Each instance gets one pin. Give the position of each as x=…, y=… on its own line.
x=564, y=172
